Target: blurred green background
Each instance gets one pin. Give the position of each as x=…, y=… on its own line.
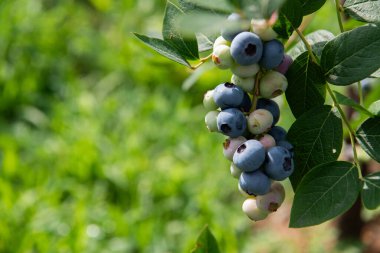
x=101, y=150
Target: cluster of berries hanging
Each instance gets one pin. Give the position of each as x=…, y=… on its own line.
x=242, y=109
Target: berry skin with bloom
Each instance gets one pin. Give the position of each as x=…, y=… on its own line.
x=230, y=145
x=279, y=163
x=245, y=71
x=273, y=54
x=246, y=48
x=228, y=95
x=231, y=122
x=255, y=182
x=270, y=105
x=249, y=156
x=278, y=133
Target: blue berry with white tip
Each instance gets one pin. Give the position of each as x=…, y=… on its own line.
x=254, y=183
x=279, y=164
x=249, y=156
x=246, y=48
x=273, y=54
x=228, y=95
x=231, y=122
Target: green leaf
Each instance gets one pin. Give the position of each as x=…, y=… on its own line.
x=363, y=10
x=352, y=56
x=204, y=43
x=306, y=85
x=371, y=191
x=327, y=191
x=260, y=8
x=317, y=137
x=186, y=45
x=343, y=100
x=206, y=242
x=195, y=75
x=289, y=18
x=368, y=136
x=310, y=6
x=317, y=40
x=164, y=48
x=374, y=108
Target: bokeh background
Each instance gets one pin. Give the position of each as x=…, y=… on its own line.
x=101, y=150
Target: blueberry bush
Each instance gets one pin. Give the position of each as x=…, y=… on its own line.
x=257, y=41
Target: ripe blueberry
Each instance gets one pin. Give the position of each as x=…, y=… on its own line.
x=249, y=156
x=270, y=105
x=227, y=95
x=259, y=121
x=273, y=54
x=246, y=48
x=278, y=133
x=231, y=122
x=254, y=183
x=279, y=163
x=246, y=104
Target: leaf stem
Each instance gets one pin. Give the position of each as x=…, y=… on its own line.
x=307, y=45
x=255, y=92
x=338, y=8
x=351, y=132
x=202, y=60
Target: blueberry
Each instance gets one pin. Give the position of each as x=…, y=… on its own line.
x=221, y=57
x=254, y=183
x=235, y=171
x=278, y=133
x=208, y=101
x=246, y=104
x=251, y=209
x=249, y=156
x=246, y=48
x=270, y=105
x=245, y=71
x=246, y=84
x=273, y=84
x=232, y=122
x=267, y=141
x=230, y=145
x=271, y=201
x=279, y=163
x=259, y=121
x=273, y=54
x=234, y=25
x=285, y=64
x=287, y=145
x=210, y=120
x=228, y=95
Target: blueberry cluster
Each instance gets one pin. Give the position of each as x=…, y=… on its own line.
x=242, y=110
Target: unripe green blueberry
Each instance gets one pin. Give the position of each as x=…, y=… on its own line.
x=211, y=121
x=235, y=171
x=259, y=121
x=273, y=84
x=221, y=57
x=267, y=141
x=246, y=84
x=252, y=211
x=273, y=199
x=245, y=71
x=263, y=29
x=231, y=144
x=220, y=41
x=209, y=102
